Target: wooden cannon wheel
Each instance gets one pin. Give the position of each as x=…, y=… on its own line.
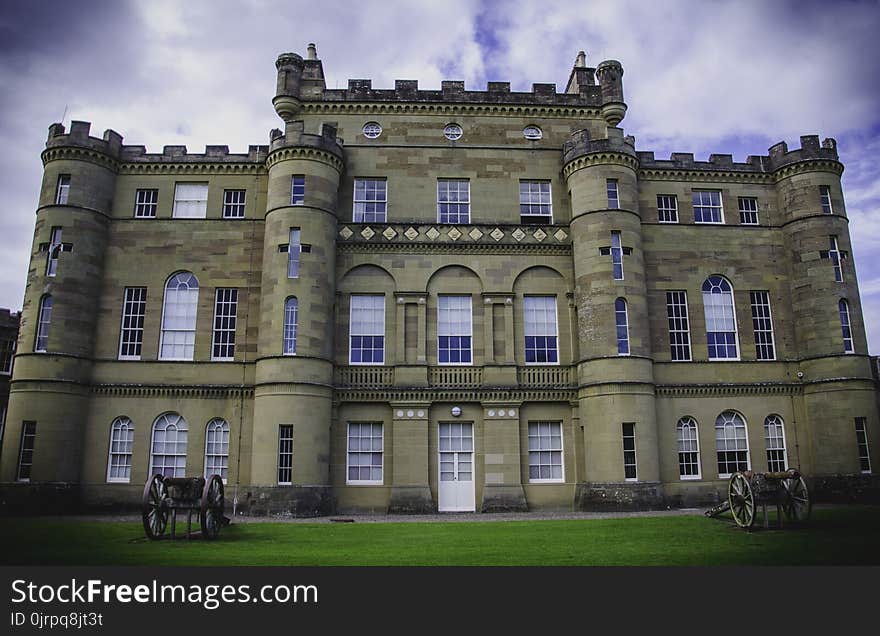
x=211, y=510
x=742, y=500
x=154, y=512
x=797, y=505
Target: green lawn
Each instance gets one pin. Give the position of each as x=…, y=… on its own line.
x=834, y=536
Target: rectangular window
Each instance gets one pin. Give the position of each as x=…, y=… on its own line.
x=611, y=189
x=748, y=210
x=616, y=255
x=291, y=309
x=622, y=323
x=298, y=189
x=835, y=255
x=534, y=202
x=26, y=451
x=63, y=189
x=55, y=249
x=367, y=330
x=862, y=441
x=134, y=310
x=365, y=446
x=454, y=329
x=225, y=306
x=762, y=322
x=541, y=333
x=44, y=319
x=285, y=454
x=545, y=452
x=145, y=203
x=679, y=327
x=294, y=249
x=233, y=204
x=7, y=353
x=667, y=208
x=370, y=200
x=629, y=451
x=825, y=196
x=845, y=327
x=453, y=201
x=707, y=206
x=190, y=200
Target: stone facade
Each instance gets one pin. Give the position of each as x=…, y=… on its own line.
x=589, y=406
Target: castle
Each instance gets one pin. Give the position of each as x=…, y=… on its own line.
x=479, y=300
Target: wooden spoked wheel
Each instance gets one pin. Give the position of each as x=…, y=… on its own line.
x=211, y=512
x=742, y=500
x=797, y=505
x=155, y=514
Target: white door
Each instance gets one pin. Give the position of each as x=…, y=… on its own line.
x=455, y=491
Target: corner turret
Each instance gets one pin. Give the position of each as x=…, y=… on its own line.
x=610, y=75
x=287, y=98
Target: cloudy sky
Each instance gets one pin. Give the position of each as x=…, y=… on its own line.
x=700, y=76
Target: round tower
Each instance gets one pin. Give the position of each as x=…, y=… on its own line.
x=615, y=370
x=294, y=371
x=56, y=340
x=610, y=76
x=824, y=301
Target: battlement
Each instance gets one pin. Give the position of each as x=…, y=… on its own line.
x=779, y=156
x=294, y=135
x=179, y=154
x=110, y=144
x=580, y=143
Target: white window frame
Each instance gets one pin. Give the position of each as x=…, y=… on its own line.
x=190, y=304
x=835, y=256
x=530, y=328
x=762, y=325
x=672, y=303
x=845, y=325
x=733, y=318
x=718, y=452
x=748, y=209
x=710, y=206
x=688, y=422
x=372, y=130
x=537, y=439
x=285, y=450
x=146, y=203
x=350, y=453
x=617, y=255
x=62, y=190
x=181, y=437
x=533, y=197
x=457, y=202
x=617, y=325
x=612, y=191
x=25, y=435
x=186, y=205
x=663, y=208
x=7, y=354
x=54, y=251
x=134, y=299
x=363, y=184
x=217, y=463
x=772, y=441
x=635, y=458
x=297, y=189
x=234, y=203
x=289, y=326
x=44, y=322
x=122, y=434
x=225, y=300
x=470, y=328
x=825, y=199
x=294, y=253
x=862, y=445
x=377, y=331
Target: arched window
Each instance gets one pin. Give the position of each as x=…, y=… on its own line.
x=774, y=436
x=179, y=317
x=44, y=318
x=688, y=448
x=121, y=440
x=217, y=448
x=843, y=308
x=731, y=443
x=291, y=309
x=720, y=319
x=622, y=322
x=168, y=448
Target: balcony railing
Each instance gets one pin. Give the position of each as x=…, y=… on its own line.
x=544, y=377
x=457, y=377
x=365, y=377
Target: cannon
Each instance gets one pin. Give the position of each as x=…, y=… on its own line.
x=164, y=497
x=747, y=490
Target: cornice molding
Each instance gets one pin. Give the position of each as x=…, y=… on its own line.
x=599, y=158
x=206, y=168
x=501, y=110
x=141, y=390
x=306, y=153
x=719, y=176
x=79, y=154
x=808, y=165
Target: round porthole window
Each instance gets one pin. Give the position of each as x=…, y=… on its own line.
x=532, y=132
x=452, y=132
x=372, y=130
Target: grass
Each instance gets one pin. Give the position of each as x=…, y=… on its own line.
x=833, y=536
